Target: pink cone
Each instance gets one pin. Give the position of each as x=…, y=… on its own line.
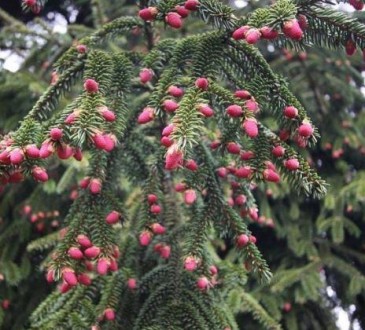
x=92, y=252
x=250, y=127
x=75, y=253
x=32, y=151
x=39, y=174
x=145, y=238
x=112, y=218
x=190, y=196
x=91, y=86
x=234, y=110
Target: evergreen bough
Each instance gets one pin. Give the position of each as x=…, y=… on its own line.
x=204, y=116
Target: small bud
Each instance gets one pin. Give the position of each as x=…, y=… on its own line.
x=157, y=248
x=233, y=148
x=215, y=144
x=158, y=229
x=148, y=14
x=56, y=133
x=70, y=119
x=84, y=279
x=82, y=49
x=16, y=156
x=242, y=94
x=39, y=174
x=107, y=114
x=16, y=177
x=145, y=238
x=191, y=165
x=95, y=186
x=202, y=283
x=174, y=158
x=292, y=29
x=357, y=4
x=303, y=22
x=155, y=209
x=84, y=183
x=170, y=106
x=271, y=175
x=202, y=83
x=213, y=270
x=175, y=91
x=268, y=33
x=50, y=276
x=290, y=112
x=240, y=33
x=205, y=110
x=113, y=265
x=46, y=150
x=191, y=5
x=242, y=240
x=30, y=3
x=91, y=86
x=174, y=20
x=250, y=127
x=145, y=75
x=110, y=141
x=305, y=130
x=243, y=172
x=102, y=266
x=116, y=252
x=191, y=264
x=27, y=209
x=146, y=115
x=31, y=151
x=166, y=141
x=252, y=36
x=78, y=154
x=109, y=314
x=132, y=283
x=240, y=200
x=284, y=135
x=180, y=187
x=190, y=196
x=182, y=11
x=112, y=218
x=168, y=130
x=99, y=141
x=350, y=47
x=54, y=77
x=64, y=151
x=68, y=275
x=292, y=164
x=278, y=151
x=152, y=198
x=253, y=239
x=75, y=253
x=222, y=172
x=247, y=155
x=92, y=252
x=287, y=307
x=5, y=157
x=65, y=287
x=252, y=106
x=165, y=251
x=234, y=110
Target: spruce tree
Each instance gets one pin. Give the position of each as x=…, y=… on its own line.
x=168, y=176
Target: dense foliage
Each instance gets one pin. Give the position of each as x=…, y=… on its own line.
x=182, y=165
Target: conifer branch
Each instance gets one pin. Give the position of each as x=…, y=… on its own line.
x=340, y=27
